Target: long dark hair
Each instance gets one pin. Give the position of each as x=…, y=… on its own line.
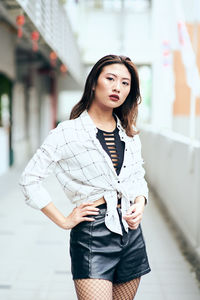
x=128, y=111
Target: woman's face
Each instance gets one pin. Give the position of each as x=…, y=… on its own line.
x=113, y=86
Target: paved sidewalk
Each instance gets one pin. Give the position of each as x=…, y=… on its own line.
x=34, y=252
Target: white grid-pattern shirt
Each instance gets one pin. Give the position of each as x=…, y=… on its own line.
x=84, y=169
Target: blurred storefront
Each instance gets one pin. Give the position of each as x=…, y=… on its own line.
x=38, y=59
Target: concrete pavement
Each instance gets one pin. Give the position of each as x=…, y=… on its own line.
x=34, y=252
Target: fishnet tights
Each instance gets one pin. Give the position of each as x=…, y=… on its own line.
x=93, y=289
x=100, y=289
x=126, y=291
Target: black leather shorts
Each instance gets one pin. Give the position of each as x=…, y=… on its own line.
x=96, y=252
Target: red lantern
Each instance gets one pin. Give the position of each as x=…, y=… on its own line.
x=20, y=20
x=35, y=37
x=63, y=68
x=53, y=58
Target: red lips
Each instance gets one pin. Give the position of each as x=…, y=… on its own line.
x=114, y=97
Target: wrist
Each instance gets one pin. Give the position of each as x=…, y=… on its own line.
x=64, y=223
x=55, y=215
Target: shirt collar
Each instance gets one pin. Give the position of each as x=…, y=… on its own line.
x=87, y=122
x=90, y=126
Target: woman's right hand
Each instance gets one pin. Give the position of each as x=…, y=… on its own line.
x=79, y=214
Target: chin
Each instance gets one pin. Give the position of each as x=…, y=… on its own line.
x=113, y=106
x=118, y=104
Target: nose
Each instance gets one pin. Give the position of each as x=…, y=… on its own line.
x=116, y=86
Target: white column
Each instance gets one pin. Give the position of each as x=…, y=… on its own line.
x=162, y=83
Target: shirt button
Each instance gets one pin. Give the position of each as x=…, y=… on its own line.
x=118, y=181
x=124, y=166
x=125, y=149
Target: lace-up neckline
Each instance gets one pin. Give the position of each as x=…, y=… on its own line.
x=114, y=147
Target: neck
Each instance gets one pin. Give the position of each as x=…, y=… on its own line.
x=101, y=115
x=103, y=119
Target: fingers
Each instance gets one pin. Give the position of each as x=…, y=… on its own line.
x=133, y=220
x=131, y=209
x=134, y=227
x=132, y=216
x=88, y=219
x=87, y=209
x=134, y=211
x=133, y=223
x=87, y=212
x=82, y=213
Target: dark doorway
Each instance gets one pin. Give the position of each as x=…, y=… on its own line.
x=6, y=117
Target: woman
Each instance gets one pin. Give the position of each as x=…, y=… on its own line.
x=96, y=156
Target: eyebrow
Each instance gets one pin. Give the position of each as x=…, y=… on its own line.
x=116, y=76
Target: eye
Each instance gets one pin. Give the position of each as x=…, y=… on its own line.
x=110, y=78
x=125, y=83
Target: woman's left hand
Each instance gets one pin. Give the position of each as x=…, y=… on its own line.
x=134, y=214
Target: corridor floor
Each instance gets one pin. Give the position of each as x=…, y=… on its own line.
x=34, y=252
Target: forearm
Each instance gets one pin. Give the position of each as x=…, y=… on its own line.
x=140, y=199
x=54, y=214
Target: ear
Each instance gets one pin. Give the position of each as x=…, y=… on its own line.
x=94, y=86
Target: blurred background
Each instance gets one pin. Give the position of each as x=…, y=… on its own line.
x=47, y=48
